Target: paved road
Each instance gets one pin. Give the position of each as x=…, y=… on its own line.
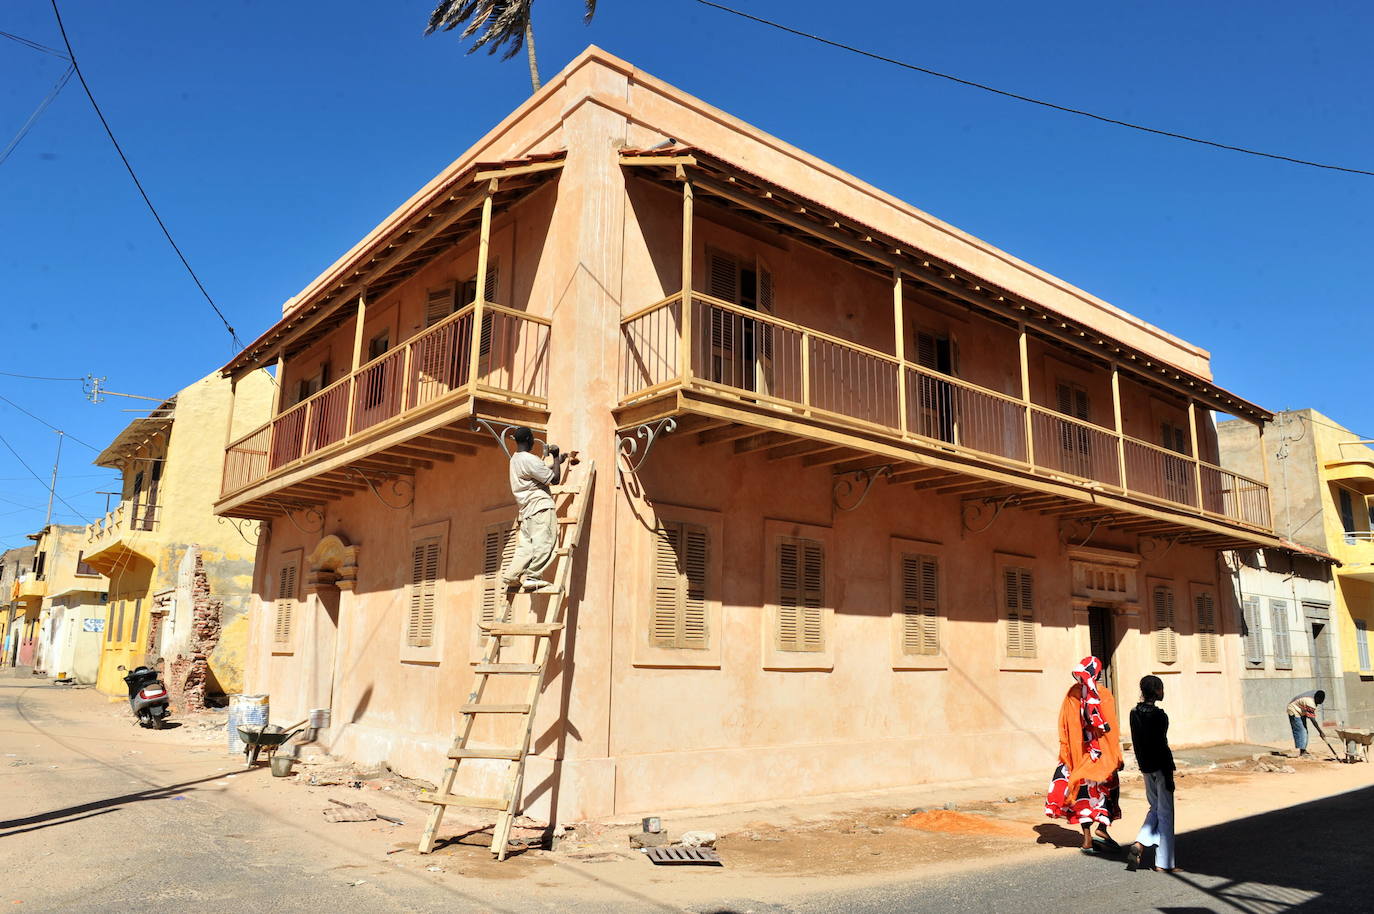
x=92, y=819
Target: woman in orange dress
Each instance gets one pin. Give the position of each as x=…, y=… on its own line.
x=1085, y=789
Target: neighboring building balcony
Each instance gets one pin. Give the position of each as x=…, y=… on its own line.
x=121, y=534
x=399, y=412
x=781, y=385
x=30, y=588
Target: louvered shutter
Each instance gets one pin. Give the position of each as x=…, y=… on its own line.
x=695, y=555
x=286, y=603
x=439, y=304
x=925, y=351
x=498, y=547
x=722, y=278
x=920, y=605
x=1254, y=641
x=678, y=616
x=1018, y=595
x=1205, y=607
x=1283, y=653
x=493, y=290
x=424, y=585
x=765, y=290
x=663, y=622
x=1166, y=636
x=801, y=596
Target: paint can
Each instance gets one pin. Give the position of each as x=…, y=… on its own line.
x=319, y=718
x=246, y=711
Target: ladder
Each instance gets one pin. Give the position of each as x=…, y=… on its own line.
x=570, y=499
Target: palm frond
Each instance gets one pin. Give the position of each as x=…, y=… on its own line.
x=591, y=11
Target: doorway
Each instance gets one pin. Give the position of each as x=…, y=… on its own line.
x=1102, y=642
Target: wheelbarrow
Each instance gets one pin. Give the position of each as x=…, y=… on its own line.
x=266, y=739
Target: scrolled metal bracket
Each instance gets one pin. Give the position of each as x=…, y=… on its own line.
x=237, y=524
x=307, y=510
x=1156, y=547
x=397, y=484
x=627, y=446
x=973, y=510
x=502, y=432
x=1068, y=529
x=844, y=485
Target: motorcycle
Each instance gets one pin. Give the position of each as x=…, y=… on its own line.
x=147, y=697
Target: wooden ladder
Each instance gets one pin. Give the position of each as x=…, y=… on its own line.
x=571, y=500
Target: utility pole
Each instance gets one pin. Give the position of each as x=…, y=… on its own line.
x=52, y=486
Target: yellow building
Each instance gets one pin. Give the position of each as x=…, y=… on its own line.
x=1323, y=477
x=180, y=577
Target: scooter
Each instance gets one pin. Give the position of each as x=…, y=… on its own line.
x=147, y=697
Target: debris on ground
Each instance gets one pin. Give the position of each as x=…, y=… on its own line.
x=649, y=839
x=355, y=812
x=698, y=839
x=961, y=823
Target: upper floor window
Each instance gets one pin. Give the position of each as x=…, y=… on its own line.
x=308, y=387
x=1354, y=516
x=83, y=568
x=1174, y=437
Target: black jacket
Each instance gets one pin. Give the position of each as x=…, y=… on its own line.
x=1150, y=738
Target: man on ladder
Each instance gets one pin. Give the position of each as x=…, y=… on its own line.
x=530, y=478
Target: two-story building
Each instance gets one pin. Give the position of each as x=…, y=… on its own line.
x=65, y=605
x=180, y=577
x=14, y=564
x=1323, y=477
x=868, y=489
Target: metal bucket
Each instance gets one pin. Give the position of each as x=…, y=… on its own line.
x=250, y=711
x=281, y=765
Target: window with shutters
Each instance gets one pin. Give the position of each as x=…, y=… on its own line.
x=440, y=302
x=498, y=547
x=1205, y=627
x=1283, y=650
x=678, y=619
x=741, y=347
x=1362, y=644
x=800, y=608
x=677, y=622
x=1074, y=440
x=426, y=572
x=1164, y=623
x=422, y=595
x=937, y=354
x=285, y=599
x=1353, y=522
x=1016, y=587
x=1251, y=633
x=920, y=582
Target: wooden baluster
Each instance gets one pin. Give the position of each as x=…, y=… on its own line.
x=1197, y=462
x=1025, y=396
x=1116, y=424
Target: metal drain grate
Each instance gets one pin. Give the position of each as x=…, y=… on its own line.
x=681, y=856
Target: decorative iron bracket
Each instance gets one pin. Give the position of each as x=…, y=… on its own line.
x=308, y=510
x=237, y=524
x=397, y=484
x=844, y=485
x=974, y=509
x=1068, y=528
x=502, y=432
x=627, y=447
x=1156, y=547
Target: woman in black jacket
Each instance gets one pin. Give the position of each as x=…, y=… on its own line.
x=1150, y=738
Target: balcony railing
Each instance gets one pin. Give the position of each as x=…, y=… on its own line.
x=763, y=360
x=127, y=516
x=430, y=367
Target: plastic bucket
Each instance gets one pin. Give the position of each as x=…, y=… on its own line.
x=246, y=711
x=281, y=765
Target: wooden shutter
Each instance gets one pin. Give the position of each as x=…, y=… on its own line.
x=722, y=277
x=801, y=595
x=1362, y=643
x=498, y=547
x=1254, y=641
x=439, y=304
x=1209, y=648
x=1283, y=654
x=425, y=557
x=1018, y=600
x=1166, y=634
x=920, y=605
x=765, y=281
x=493, y=278
x=925, y=351
x=678, y=615
x=286, y=603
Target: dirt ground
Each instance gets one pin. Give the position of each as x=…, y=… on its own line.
x=776, y=851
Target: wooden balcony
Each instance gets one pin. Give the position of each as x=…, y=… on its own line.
x=403, y=411
x=793, y=392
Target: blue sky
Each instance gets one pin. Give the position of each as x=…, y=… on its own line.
x=272, y=135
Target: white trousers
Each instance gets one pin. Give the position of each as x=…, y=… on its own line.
x=1158, y=830
x=534, y=547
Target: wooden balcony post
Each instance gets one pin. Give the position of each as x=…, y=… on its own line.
x=483, y=252
x=1197, y=457
x=899, y=332
x=684, y=331
x=281, y=384
x=1116, y=423
x=1026, y=394
x=357, y=363
x=806, y=370
x=229, y=422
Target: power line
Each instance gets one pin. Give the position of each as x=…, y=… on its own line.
x=37, y=113
x=35, y=377
x=33, y=44
x=71, y=55
x=49, y=424
x=52, y=489
x=1026, y=98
